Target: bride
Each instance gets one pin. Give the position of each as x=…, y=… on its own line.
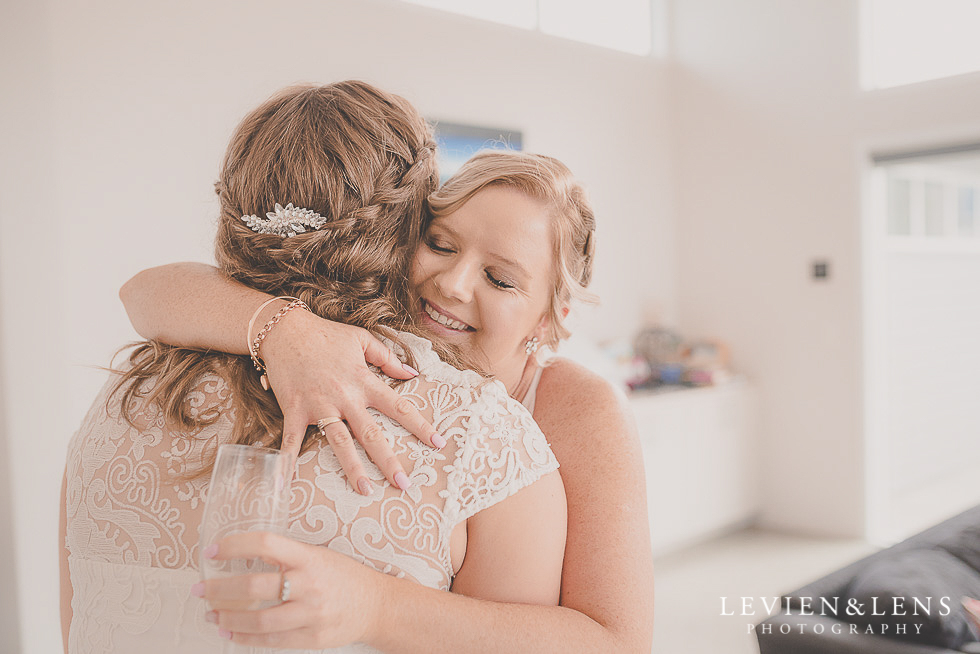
x=482, y=511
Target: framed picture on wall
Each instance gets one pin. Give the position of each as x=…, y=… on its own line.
x=458, y=142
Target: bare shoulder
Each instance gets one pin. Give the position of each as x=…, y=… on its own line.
x=567, y=386
x=580, y=411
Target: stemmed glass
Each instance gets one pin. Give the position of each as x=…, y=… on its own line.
x=249, y=491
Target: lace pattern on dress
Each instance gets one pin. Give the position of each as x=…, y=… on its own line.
x=133, y=523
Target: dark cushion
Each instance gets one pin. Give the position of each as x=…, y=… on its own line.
x=918, y=573
x=961, y=534
x=965, y=545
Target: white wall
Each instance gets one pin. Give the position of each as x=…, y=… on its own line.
x=32, y=355
x=119, y=112
x=9, y=609
x=767, y=183
x=772, y=146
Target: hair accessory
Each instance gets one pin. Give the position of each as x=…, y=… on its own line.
x=531, y=345
x=254, y=344
x=284, y=589
x=285, y=222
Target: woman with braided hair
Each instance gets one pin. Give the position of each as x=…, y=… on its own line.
x=484, y=512
x=505, y=247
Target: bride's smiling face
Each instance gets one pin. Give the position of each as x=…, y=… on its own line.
x=482, y=277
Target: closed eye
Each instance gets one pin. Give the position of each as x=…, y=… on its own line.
x=499, y=283
x=435, y=247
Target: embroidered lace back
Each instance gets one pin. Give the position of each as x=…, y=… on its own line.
x=132, y=527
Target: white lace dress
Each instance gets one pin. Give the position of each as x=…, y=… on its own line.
x=132, y=525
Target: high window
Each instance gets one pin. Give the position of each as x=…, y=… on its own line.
x=932, y=197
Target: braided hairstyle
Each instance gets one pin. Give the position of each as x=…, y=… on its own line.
x=361, y=158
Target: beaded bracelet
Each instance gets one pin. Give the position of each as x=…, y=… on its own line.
x=254, y=344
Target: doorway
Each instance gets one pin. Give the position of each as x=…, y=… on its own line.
x=922, y=338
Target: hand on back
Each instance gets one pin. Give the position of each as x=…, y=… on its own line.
x=318, y=370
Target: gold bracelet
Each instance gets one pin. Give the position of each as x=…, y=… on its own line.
x=254, y=344
x=255, y=316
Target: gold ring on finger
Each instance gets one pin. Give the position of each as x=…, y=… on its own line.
x=322, y=423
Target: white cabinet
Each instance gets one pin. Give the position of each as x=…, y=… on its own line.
x=700, y=450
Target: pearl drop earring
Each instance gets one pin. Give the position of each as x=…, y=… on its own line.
x=531, y=345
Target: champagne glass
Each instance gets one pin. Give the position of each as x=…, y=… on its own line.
x=249, y=491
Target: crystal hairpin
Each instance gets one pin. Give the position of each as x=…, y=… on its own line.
x=285, y=222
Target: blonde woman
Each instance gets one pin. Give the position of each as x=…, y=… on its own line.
x=482, y=511
x=507, y=246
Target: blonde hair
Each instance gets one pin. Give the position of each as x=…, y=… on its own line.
x=361, y=158
x=550, y=181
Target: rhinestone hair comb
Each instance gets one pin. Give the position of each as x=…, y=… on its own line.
x=285, y=222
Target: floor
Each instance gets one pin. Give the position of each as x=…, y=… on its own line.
x=747, y=564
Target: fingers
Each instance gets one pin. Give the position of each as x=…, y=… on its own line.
x=292, y=639
x=342, y=443
x=284, y=617
x=972, y=607
x=271, y=548
x=326, y=606
x=377, y=354
x=372, y=438
x=398, y=407
x=294, y=426
x=242, y=592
